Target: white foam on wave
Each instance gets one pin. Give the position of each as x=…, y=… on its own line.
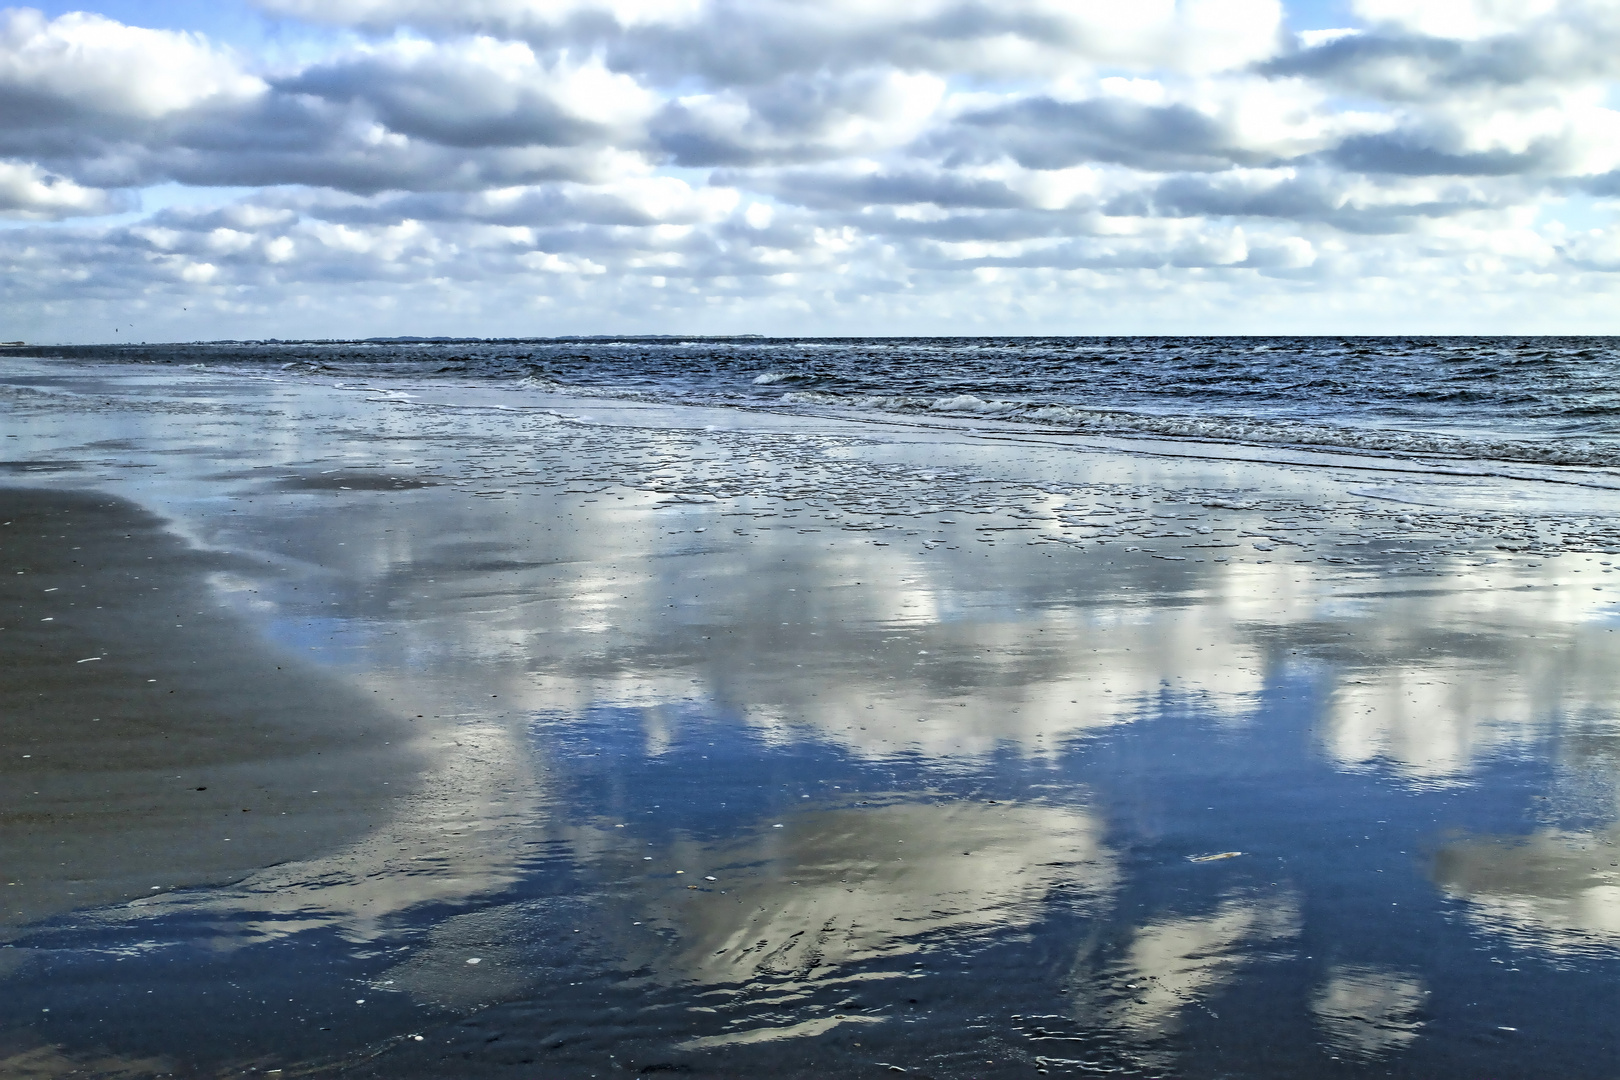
x=977, y=406
x=1265, y=431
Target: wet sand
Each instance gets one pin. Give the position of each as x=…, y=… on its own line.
x=741, y=745
x=152, y=741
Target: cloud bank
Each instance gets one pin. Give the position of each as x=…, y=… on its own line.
x=499, y=167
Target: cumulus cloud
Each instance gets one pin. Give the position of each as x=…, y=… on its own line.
x=479, y=93
x=834, y=165
x=29, y=192
x=733, y=42
x=83, y=67
x=117, y=106
x=1467, y=20
x=1398, y=65
x=1349, y=203
x=798, y=119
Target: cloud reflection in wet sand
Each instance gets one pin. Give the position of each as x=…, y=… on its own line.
x=1369, y=1011
x=1178, y=962
x=810, y=901
x=837, y=887
x=844, y=654
x=461, y=835
x=1461, y=673
x=1551, y=890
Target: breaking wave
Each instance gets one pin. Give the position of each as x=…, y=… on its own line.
x=1292, y=434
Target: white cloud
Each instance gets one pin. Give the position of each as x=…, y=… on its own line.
x=82, y=66
x=480, y=93
x=28, y=191
x=1464, y=19
x=732, y=41
x=776, y=164
x=502, y=14
x=815, y=117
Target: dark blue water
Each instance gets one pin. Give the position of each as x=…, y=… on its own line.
x=1323, y=950
x=1548, y=400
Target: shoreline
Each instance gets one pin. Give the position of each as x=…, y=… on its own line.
x=1386, y=433
x=635, y=409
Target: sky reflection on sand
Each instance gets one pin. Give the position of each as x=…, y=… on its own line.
x=1369, y=1011
x=948, y=792
x=1172, y=964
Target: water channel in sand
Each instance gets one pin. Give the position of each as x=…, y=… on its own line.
x=740, y=745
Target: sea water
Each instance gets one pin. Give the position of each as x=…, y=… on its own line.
x=1530, y=399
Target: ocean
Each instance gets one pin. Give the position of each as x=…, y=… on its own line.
x=1527, y=400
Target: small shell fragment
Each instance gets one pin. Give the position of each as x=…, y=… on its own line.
x=1215, y=857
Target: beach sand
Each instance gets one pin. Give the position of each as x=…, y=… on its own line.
x=584, y=735
x=152, y=741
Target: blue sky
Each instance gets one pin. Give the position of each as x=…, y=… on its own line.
x=346, y=168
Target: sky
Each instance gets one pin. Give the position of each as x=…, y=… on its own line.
x=204, y=169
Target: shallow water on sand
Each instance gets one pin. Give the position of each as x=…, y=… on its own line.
x=775, y=746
